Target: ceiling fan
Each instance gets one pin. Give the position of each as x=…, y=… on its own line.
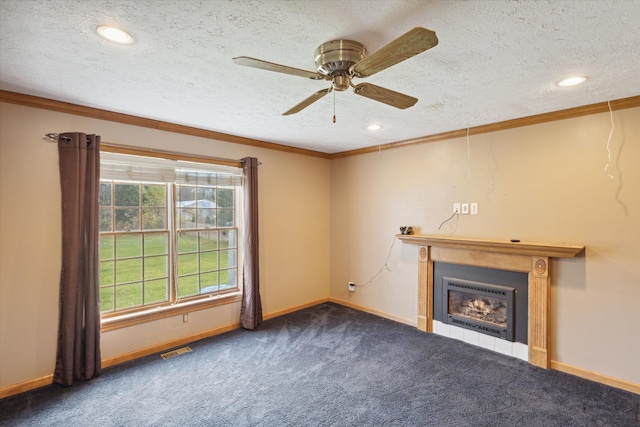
x=339, y=61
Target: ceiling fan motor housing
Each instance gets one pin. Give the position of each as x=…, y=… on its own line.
x=334, y=59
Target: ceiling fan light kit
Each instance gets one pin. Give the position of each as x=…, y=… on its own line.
x=339, y=61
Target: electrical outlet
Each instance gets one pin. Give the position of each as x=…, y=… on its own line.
x=456, y=208
x=185, y=318
x=465, y=209
x=474, y=209
x=352, y=287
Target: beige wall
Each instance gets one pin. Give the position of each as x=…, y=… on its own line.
x=294, y=236
x=543, y=183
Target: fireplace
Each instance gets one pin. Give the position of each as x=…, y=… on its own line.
x=480, y=307
x=531, y=259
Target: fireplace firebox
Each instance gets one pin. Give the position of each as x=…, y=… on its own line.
x=482, y=307
x=486, y=300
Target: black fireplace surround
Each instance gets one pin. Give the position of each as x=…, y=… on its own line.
x=485, y=300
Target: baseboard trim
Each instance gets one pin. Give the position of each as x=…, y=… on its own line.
x=375, y=312
x=112, y=361
x=296, y=308
x=26, y=386
x=595, y=376
x=555, y=365
x=167, y=345
x=147, y=351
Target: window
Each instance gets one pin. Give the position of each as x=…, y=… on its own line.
x=168, y=232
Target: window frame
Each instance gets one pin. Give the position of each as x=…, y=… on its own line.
x=116, y=320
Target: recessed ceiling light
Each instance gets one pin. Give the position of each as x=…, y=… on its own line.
x=114, y=34
x=572, y=81
x=374, y=127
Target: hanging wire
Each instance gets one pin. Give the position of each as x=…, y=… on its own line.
x=448, y=219
x=384, y=267
x=606, y=167
x=468, y=156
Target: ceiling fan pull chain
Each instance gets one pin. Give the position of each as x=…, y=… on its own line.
x=334, y=106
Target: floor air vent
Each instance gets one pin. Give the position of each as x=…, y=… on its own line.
x=176, y=352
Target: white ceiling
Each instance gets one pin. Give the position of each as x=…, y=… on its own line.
x=496, y=60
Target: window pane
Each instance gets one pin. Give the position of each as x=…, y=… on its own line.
x=127, y=194
x=187, y=286
x=228, y=278
x=106, y=273
x=208, y=240
x=209, y=282
x=105, y=194
x=106, y=299
x=154, y=218
x=187, y=264
x=106, y=223
x=228, y=258
x=128, y=245
x=128, y=270
x=228, y=238
x=187, y=218
x=106, y=247
x=128, y=295
x=225, y=198
x=155, y=267
x=206, y=218
x=155, y=291
x=155, y=244
x=187, y=242
x=127, y=219
x=225, y=218
x=154, y=195
x=206, y=197
x=208, y=261
x=186, y=194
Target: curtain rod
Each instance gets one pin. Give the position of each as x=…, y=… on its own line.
x=55, y=137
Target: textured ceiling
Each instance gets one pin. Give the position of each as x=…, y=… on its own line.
x=496, y=60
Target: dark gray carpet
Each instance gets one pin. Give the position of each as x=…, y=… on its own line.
x=327, y=366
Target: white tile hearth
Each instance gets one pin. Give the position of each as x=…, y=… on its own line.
x=521, y=351
x=441, y=328
x=471, y=337
x=504, y=347
x=487, y=342
x=515, y=349
x=456, y=332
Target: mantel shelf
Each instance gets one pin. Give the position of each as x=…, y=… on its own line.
x=499, y=246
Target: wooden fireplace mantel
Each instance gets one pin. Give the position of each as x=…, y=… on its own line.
x=527, y=257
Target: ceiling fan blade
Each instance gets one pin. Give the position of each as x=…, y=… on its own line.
x=387, y=96
x=404, y=47
x=310, y=100
x=270, y=66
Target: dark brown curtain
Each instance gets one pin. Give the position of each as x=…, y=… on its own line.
x=78, y=355
x=251, y=309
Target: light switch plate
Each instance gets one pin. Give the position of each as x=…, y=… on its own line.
x=465, y=209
